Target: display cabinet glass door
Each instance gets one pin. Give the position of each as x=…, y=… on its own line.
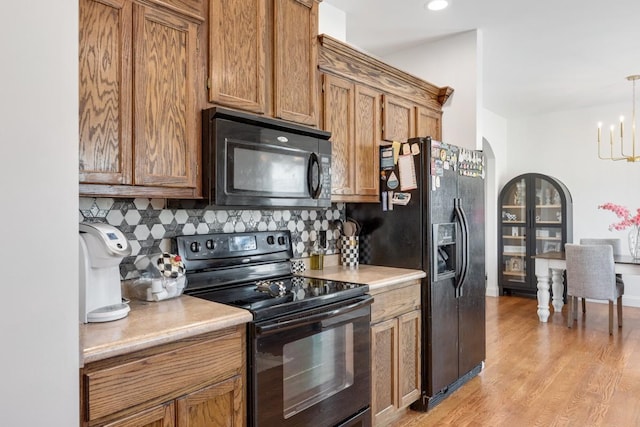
x=548, y=217
x=514, y=233
x=535, y=218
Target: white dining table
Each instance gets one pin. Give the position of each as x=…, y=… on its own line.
x=553, y=264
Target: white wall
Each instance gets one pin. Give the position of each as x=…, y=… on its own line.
x=332, y=21
x=453, y=62
x=39, y=192
x=495, y=149
x=564, y=146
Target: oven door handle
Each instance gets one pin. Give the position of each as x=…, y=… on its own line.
x=294, y=323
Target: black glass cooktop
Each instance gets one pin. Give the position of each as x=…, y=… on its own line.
x=284, y=295
x=252, y=270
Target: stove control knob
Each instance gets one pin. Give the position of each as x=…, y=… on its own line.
x=281, y=240
x=195, y=246
x=210, y=244
x=270, y=240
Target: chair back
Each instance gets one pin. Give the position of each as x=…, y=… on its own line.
x=616, y=244
x=591, y=271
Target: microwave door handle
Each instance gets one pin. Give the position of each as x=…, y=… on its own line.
x=314, y=192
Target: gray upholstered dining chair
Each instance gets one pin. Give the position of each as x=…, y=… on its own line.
x=591, y=274
x=616, y=244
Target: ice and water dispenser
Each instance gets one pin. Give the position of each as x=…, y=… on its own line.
x=444, y=251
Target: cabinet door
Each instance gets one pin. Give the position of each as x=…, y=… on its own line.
x=164, y=112
x=367, y=141
x=384, y=385
x=409, y=358
x=220, y=405
x=547, y=224
x=338, y=102
x=158, y=416
x=398, y=119
x=513, y=238
x=237, y=59
x=428, y=123
x=105, y=92
x=295, y=58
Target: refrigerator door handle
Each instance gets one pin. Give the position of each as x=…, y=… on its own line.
x=464, y=242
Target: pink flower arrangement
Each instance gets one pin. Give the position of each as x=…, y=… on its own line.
x=624, y=213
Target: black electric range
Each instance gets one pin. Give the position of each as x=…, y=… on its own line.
x=253, y=271
x=308, y=346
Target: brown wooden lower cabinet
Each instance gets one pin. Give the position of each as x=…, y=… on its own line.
x=193, y=382
x=395, y=351
x=158, y=416
x=219, y=405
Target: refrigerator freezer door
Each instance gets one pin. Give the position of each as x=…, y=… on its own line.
x=443, y=342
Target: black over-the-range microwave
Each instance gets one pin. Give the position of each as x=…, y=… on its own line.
x=256, y=161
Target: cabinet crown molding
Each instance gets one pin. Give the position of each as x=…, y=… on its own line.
x=340, y=58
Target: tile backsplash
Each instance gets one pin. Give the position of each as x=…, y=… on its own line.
x=149, y=224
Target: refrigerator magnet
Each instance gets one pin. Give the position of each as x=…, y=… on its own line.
x=415, y=149
x=396, y=151
x=386, y=158
x=407, y=170
x=392, y=181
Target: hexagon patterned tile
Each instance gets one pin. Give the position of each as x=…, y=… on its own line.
x=150, y=224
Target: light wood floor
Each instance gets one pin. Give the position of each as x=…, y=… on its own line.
x=545, y=374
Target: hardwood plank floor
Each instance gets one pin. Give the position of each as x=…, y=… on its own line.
x=545, y=374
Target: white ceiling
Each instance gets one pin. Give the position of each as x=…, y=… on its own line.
x=538, y=55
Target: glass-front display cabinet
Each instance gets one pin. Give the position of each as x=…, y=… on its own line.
x=535, y=217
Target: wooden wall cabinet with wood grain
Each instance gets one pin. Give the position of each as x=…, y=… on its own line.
x=365, y=103
x=351, y=112
x=192, y=382
x=263, y=57
x=140, y=65
x=395, y=351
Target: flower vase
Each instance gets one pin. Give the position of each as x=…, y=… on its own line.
x=634, y=242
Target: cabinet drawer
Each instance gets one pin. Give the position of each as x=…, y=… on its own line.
x=395, y=301
x=152, y=377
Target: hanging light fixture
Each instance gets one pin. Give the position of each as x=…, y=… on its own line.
x=629, y=157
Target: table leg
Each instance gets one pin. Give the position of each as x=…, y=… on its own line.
x=543, y=294
x=558, y=289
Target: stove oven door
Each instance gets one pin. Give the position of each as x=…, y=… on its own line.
x=311, y=369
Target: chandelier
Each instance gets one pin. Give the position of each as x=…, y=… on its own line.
x=628, y=156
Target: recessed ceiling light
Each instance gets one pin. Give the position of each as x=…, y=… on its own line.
x=437, y=4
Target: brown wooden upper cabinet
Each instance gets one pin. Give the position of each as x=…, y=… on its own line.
x=403, y=119
x=398, y=119
x=428, y=123
x=351, y=112
x=366, y=103
x=263, y=57
x=138, y=105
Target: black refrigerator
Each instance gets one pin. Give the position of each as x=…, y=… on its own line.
x=431, y=217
